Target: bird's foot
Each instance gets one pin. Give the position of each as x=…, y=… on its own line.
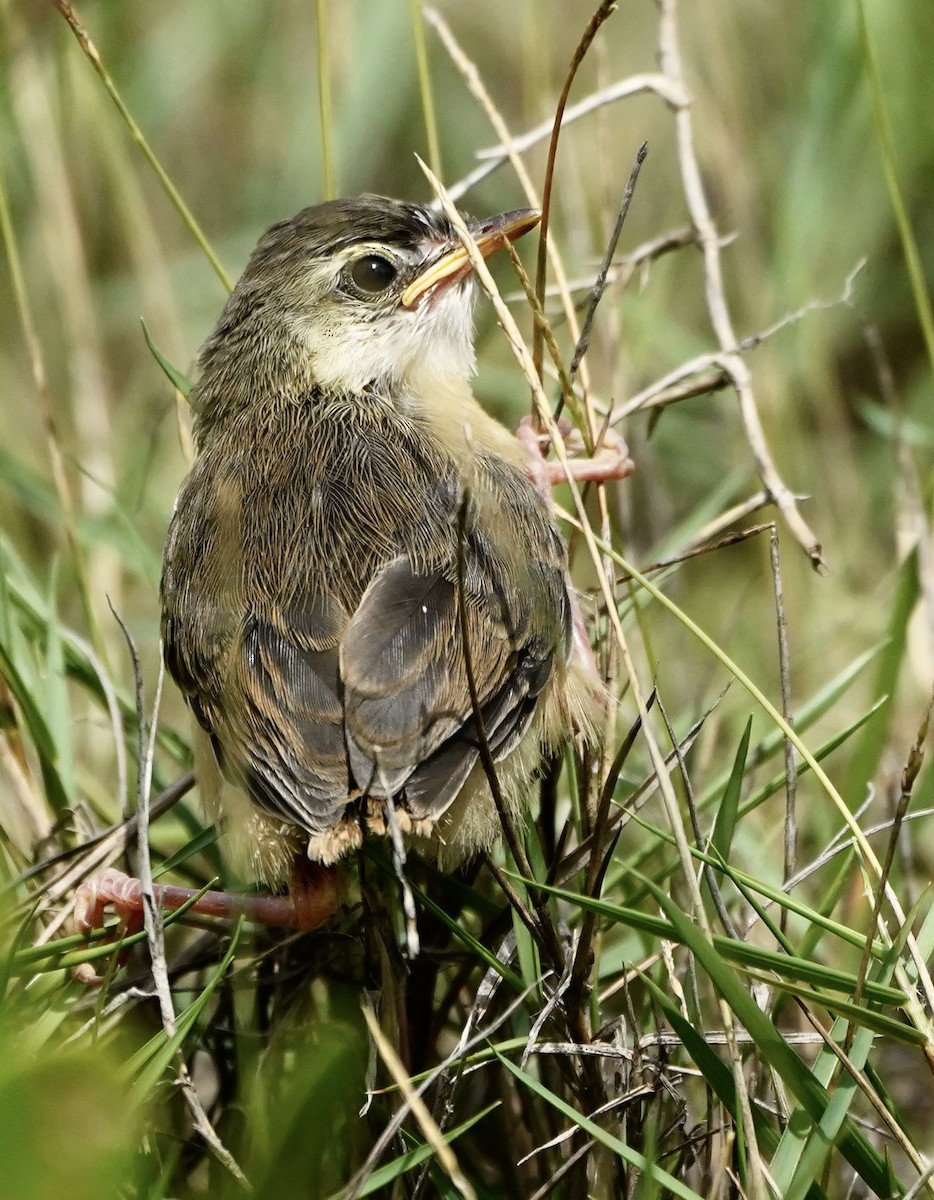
x=609, y=461
x=312, y=898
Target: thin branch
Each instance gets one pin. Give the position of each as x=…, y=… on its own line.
x=622, y=89
x=864, y=1084
x=599, y=17
x=90, y=52
x=152, y=914
x=846, y=297
x=624, y=266
x=600, y=282
x=700, y=546
x=791, y=769
x=707, y=871
x=730, y=360
x=707, y=372
x=910, y=774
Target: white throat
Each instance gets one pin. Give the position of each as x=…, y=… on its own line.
x=402, y=350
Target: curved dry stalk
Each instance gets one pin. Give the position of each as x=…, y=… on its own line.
x=496, y=156
x=477, y=88
x=729, y=359
x=602, y=14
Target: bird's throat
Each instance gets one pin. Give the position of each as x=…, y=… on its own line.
x=446, y=406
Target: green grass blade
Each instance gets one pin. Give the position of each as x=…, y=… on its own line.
x=626, y=1153
x=725, y=824
x=813, y=1098
x=388, y=1174
x=176, y=377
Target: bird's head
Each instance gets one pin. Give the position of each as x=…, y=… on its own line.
x=377, y=291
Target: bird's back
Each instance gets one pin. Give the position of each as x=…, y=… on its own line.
x=311, y=601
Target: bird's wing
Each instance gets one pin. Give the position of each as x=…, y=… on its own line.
x=288, y=719
x=267, y=690
x=311, y=703
x=408, y=712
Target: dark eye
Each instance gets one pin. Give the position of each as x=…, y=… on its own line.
x=372, y=274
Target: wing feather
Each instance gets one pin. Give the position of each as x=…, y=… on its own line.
x=408, y=713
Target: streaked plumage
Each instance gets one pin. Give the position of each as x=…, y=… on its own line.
x=345, y=474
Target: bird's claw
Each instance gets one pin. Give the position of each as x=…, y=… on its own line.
x=313, y=898
x=110, y=889
x=610, y=459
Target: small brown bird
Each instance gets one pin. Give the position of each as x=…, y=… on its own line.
x=349, y=495
x=346, y=477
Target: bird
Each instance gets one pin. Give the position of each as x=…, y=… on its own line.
x=365, y=593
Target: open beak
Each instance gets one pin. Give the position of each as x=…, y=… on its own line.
x=490, y=235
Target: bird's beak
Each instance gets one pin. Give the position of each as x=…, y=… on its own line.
x=490, y=235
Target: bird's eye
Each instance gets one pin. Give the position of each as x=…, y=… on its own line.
x=372, y=274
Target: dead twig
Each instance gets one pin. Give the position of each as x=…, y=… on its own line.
x=152, y=914
x=730, y=360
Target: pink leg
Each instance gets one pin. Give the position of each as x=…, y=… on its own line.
x=611, y=460
x=312, y=898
